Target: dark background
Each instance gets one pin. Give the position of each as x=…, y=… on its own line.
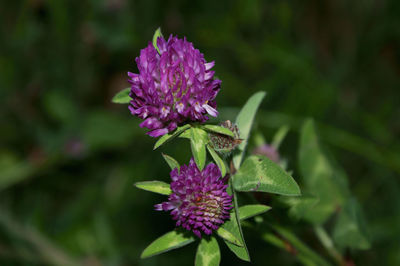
x=69, y=157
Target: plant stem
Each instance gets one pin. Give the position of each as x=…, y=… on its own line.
x=327, y=242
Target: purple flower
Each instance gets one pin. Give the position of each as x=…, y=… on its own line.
x=269, y=151
x=173, y=86
x=199, y=201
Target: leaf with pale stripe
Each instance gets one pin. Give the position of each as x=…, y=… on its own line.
x=208, y=253
x=258, y=173
x=167, y=242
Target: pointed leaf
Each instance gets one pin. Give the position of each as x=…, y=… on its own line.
x=186, y=134
x=248, y=211
x=279, y=136
x=244, y=121
x=198, y=141
x=157, y=34
x=258, y=173
x=208, y=253
x=171, y=135
x=319, y=176
x=167, y=242
x=218, y=129
x=234, y=226
x=122, y=96
x=228, y=236
x=304, y=253
x=220, y=163
x=155, y=186
x=350, y=228
x=171, y=161
x=300, y=206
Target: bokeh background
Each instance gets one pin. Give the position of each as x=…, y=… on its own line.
x=69, y=157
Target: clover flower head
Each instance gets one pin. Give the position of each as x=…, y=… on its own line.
x=174, y=85
x=199, y=201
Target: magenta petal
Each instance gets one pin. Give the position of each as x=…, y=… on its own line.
x=169, y=83
x=211, y=111
x=209, y=65
x=158, y=132
x=151, y=123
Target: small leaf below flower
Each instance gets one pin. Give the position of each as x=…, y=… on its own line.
x=228, y=236
x=167, y=242
x=208, y=253
x=170, y=135
x=198, y=141
x=220, y=163
x=234, y=227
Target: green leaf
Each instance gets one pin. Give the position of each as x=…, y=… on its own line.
x=157, y=34
x=228, y=236
x=279, y=136
x=303, y=252
x=13, y=170
x=171, y=135
x=319, y=176
x=198, y=141
x=350, y=229
x=155, y=186
x=248, y=211
x=299, y=206
x=218, y=129
x=208, y=253
x=233, y=226
x=186, y=134
x=122, y=96
x=167, y=242
x=171, y=161
x=244, y=121
x=220, y=163
x=258, y=173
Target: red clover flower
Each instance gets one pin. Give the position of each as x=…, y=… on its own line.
x=174, y=85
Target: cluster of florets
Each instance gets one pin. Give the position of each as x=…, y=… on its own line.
x=174, y=85
x=199, y=201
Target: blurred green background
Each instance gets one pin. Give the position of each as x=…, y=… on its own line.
x=69, y=157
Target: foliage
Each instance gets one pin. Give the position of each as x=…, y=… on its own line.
x=69, y=157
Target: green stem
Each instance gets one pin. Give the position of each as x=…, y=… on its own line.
x=327, y=242
x=236, y=206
